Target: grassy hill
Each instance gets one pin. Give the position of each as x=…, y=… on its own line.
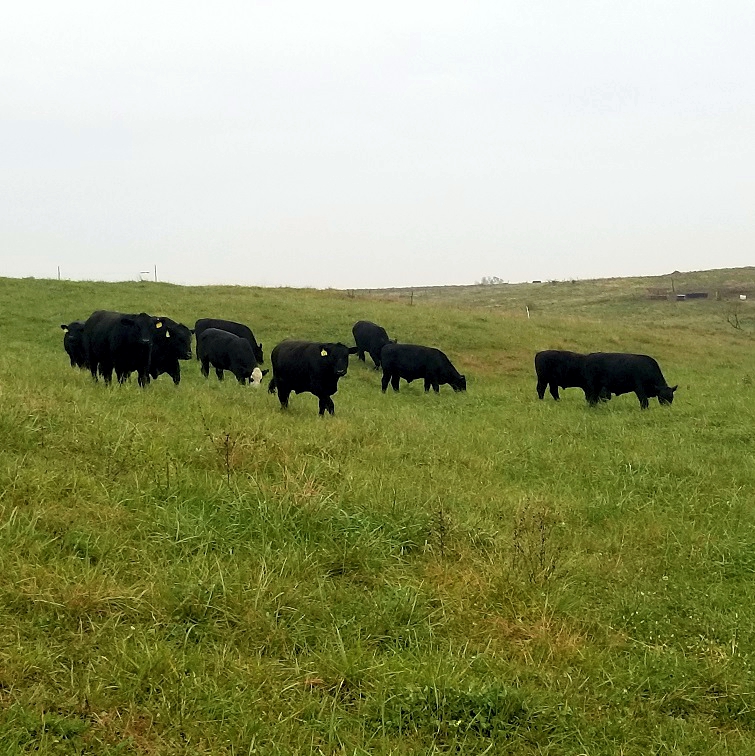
x=191, y=570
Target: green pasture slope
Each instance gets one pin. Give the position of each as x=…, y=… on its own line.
x=192, y=571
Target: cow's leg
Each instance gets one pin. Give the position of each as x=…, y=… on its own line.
x=205, y=368
x=541, y=386
x=428, y=383
x=376, y=359
x=283, y=393
x=591, y=396
x=326, y=405
x=436, y=387
x=142, y=378
x=394, y=381
x=593, y=389
x=642, y=393
x=554, y=391
x=384, y=382
x=176, y=376
x=219, y=373
x=360, y=354
x=106, y=371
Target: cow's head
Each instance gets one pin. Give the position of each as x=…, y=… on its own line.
x=335, y=357
x=257, y=376
x=459, y=383
x=141, y=327
x=666, y=394
x=258, y=355
x=173, y=338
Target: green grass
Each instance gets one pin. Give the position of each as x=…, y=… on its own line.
x=191, y=570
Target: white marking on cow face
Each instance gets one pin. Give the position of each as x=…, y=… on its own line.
x=256, y=377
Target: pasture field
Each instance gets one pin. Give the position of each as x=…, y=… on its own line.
x=192, y=571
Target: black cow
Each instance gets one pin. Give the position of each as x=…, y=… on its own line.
x=73, y=343
x=114, y=341
x=239, y=329
x=311, y=366
x=371, y=338
x=226, y=351
x=620, y=373
x=411, y=361
x=171, y=343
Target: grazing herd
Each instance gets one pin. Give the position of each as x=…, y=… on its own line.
x=150, y=346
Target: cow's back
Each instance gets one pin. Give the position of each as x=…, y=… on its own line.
x=562, y=367
x=624, y=369
x=412, y=359
x=238, y=329
x=216, y=343
x=100, y=330
x=295, y=363
x=369, y=334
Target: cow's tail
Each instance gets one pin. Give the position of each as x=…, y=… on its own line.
x=271, y=386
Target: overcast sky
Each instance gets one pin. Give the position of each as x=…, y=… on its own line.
x=376, y=144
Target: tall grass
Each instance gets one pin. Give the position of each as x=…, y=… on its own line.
x=192, y=570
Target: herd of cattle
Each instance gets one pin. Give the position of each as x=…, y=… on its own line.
x=150, y=346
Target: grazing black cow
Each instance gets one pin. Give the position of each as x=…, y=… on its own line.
x=114, y=341
x=226, y=351
x=311, y=366
x=73, y=343
x=620, y=373
x=411, y=361
x=371, y=338
x=557, y=368
x=171, y=343
x=239, y=329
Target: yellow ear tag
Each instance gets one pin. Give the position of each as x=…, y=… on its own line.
x=324, y=353
x=159, y=324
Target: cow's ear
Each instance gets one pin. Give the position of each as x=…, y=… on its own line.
x=64, y=327
x=353, y=350
x=265, y=372
x=674, y=388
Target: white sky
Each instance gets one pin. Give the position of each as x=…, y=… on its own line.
x=354, y=144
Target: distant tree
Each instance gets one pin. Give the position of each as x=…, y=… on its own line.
x=491, y=281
